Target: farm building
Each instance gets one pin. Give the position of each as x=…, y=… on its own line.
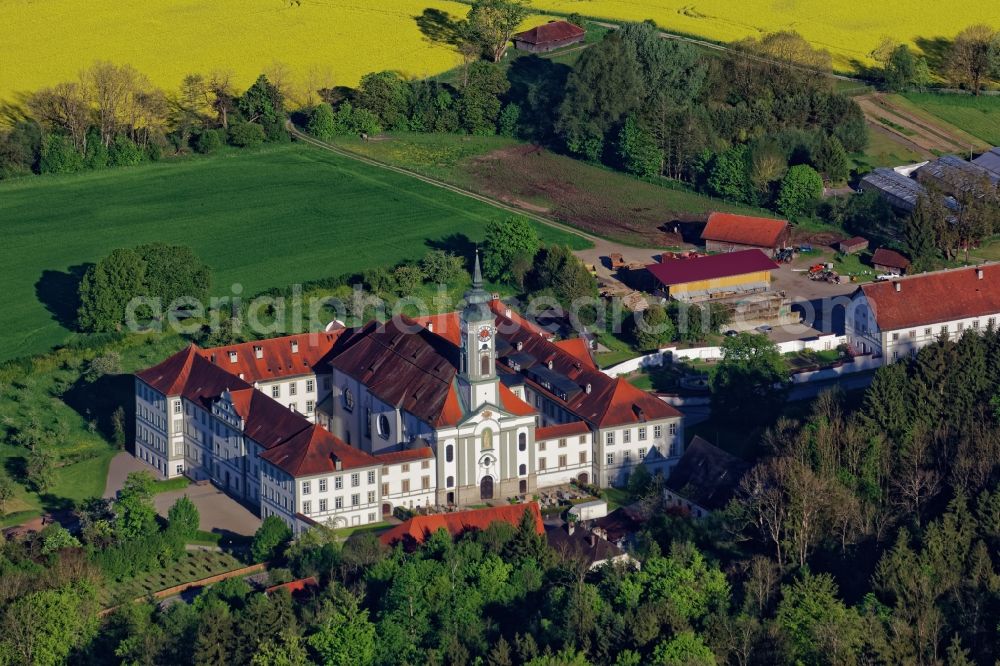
x=852, y=245
x=726, y=232
x=949, y=171
x=714, y=276
x=899, y=191
x=990, y=161
x=548, y=37
x=890, y=261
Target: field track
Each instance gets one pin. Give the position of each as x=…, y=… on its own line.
x=917, y=131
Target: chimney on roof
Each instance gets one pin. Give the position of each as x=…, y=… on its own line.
x=550, y=365
x=588, y=388
x=430, y=326
x=571, y=526
x=506, y=312
x=898, y=285
x=258, y=351
x=979, y=273
x=520, y=345
x=337, y=465
x=295, y=346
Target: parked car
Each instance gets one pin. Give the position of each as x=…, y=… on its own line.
x=886, y=276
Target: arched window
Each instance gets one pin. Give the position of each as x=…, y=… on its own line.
x=487, y=439
x=450, y=482
x=449, y=453
x=382, y=423
x=522, y=442
x=484, y=364
x=522, y=470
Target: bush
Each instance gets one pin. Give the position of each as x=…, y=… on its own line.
x=59, y=155
x=269, y=539
x=801, y=190
x=209, y=141
x=124, y=152
x=245, y=135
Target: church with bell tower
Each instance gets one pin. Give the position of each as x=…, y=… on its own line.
x=477, y=373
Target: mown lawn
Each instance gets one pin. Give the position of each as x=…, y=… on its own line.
x=260, y=219
x=979, y=116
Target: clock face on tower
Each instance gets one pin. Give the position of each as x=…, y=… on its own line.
x=485, y=334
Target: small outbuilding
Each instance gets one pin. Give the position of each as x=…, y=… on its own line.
x=705, y=478
x=890, y=261
x=726, y=232
x=715, y=276
x=548, y=37
x=853, y=245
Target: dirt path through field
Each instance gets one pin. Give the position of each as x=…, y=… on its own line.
x=916, y=132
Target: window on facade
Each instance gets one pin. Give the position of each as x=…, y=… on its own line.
x=426, y=464
x=583, y=457
x=371, y=517
x=627, y=436
x=356, y=499
x=449, y=453
x=310, y=386
x=657, y=432
x=449, y=482
x=991, y=322
x=382, y=425
x=338, y=482
x=307, y=507
x=371, y=496
x=385, y=488
x=177, y=407
x=323, y=504
x=913, y=334
x=609, y=438
x=293, y=388
x=944, y=330
x=541, y=464
x=562, y=443
x=961, y=326
x=610, y=459
x=355, y=480
x=306, y=489
x=627, y=456
x=522, y=442
x=348, y=399
x=310, y=406
x=541, y=446
x=642, y=433
x=371, y=476
x=673, y=428
x=583, y=439
x=406, y=467
x=425, y=483
x=895, y=337
x=642, y=452
x=338, y=502
x=406, y=485
x=975, y=324
x=562, y=461
x=322, y=485
x=484, y=365
x=522, y=469
x=276, y=391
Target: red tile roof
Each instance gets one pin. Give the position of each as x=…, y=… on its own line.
x=680, y=271
x=295, y=586
x=577, y=347
x=316, y=451
x=187, y=373
x=886, y=257
x=931, y=298
x=562, y=430
x=744, y=230
x=287, y=356
x=513, y=404
x=415, y=530
x=554, y=31
x=409, y=455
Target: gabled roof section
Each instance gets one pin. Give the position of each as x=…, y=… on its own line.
x=706, y=475
x=186, y=373
x=314, y=451
x=553, y=31
x=713, y=266
x=744, y=230
x=562, y=430
x=627, y=404
x=886, y=257
x=577, y=347
x=510, y=402
x=275, y=358
x=932, y=298
x=416, y=530
x=170, y=375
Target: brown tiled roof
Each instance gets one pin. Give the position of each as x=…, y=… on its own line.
x=316, y=451
x=406, y=366
x=409, y=455
x=886, y=257
x=854, y=241
x=744, y=230
x=414, y=531
x=562, y=430
x=554, y=31
x=931, y=298
x=187, y=373
x=581, y=543
x=680, y=271
x=706, y=475
x=287, y=356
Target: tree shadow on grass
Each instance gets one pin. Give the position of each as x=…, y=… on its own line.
x=458, y=244
x=936, y=51
x=439, y=26
x=58, y=291
x=98, y=400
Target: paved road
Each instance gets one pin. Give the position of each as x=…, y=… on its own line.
x=121, y=466
x=219, y=512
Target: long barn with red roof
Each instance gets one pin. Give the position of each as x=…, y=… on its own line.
x=342, y=427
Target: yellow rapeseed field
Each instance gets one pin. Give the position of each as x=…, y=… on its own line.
x=849, y=29
x=43, y=42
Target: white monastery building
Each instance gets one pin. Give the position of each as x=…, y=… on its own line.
x=341, y=427
x=896, y=318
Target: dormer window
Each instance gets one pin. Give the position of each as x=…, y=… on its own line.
x=232, y=357
x=520, y=345
x=550, y=365
x=295, y=346
x=258, y=351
